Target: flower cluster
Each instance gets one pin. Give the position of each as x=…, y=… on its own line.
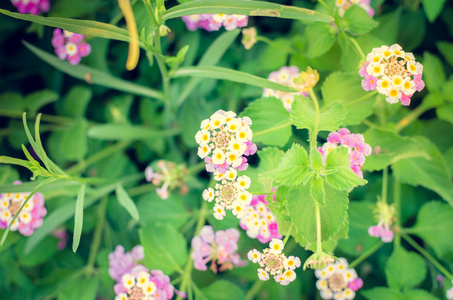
x=229, y=194
x=168, y=176
x=385, y=214
x=29, y=218
x=393, y=73
x=336, y=281
x=259, y=221
x=450, y=293
x=343, y=5
x=70, y=46
x=219, y=248
x=210, y=22
x=273, y=261
x=228, y=139
x=284, y=76
x=34, y=7
x=358, y=149
x=134, y=281
x=248, y=37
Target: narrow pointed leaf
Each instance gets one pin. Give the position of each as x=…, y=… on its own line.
x=125, y=200
x=78, y=218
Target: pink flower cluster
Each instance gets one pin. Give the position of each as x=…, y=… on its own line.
x=358, y=149
x=34, y=7
x=343, y=5
x=284, y=76
x=135, y=281
x=383, y=231
x=70, y=46
x=259, y=221
x=385, y=214
x=210, y=22
x=62, y=237
x=168, y=176
x=29, y=218
x=218, y=247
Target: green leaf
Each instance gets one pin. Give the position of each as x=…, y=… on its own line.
x=351, y=57
x=412, y=29
x=43, y=252
x=125, y=200
x=75, y=145
x=75, y=102
x=275, y=54
x=115, y=132
x=435, y=226
x=153, y=209
x=339, y=174
x=447, y=51
x=389, y=27
x=379, y=293
x=12, y=104
x=433, y=72
x=301, y=208
x=78, y=218
x=418, y=295
x=358, y=21
x=94, y=76
x=85, y=27
x=445, y=112
x=221, y=290
x=303, y=115
x=433, y=8
x=231, y=75
x=404, y=269
x=271, y=124
x=390, y=148
x=165, y=247
x=249, y=8
x=317, y=190
x=36, y=100
x=269, y=160
x=316, y=160
x=321, y=38
x=447, y=90
x=85, y=288
x=346, y=89
x=293, y=167
x=432, y=174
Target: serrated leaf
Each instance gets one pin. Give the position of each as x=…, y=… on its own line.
x=379, y=293
x=418, y=295
x=271, y=124
x=317, y=191
x=433, y=72
x=301, y=208
x=293, y=167
x=404, y=269
x=125, y=200
x=343, y=178
x=316, y=160
x=435, y=226
x=321, y=38
x=390, y=148
x=358, y=20
x=432, y=174
x=303, y=115
x=346, y=89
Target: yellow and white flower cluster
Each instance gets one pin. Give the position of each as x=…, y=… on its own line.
x=229, y=194
x=138, y=287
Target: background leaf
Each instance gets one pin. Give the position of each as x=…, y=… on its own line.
x=358, y=20
x=293, y=167
x=404, y=269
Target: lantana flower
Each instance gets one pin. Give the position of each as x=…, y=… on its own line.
x=219, y=248
x=230, y=194
x=69, y=45
x=248, y=37
x=284, y=76
x=358, y=149
x=450, y=293
x=34, y=7
x=167, y=176
x=336, y=281
x=213, y=22
x=385, y=215
x=393, y=73
x=343, y=5
x=31, y=216
x=224, y=141
x=259, y=221
x=275, y=263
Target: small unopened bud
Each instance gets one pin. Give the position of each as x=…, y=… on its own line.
x=306, y=80
x=319, y=260
x=248, y=37
x=164, y=30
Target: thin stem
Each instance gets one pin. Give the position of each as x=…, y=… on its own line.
x=362, y=54
x=314, y=134
x=369, y=123
x=141, y=189
x=273, y=43
x=195, y=169
x=397, y=202
x=288, y=234
x=410, y=117
x=318, y=228
x=324, y=5
x=426, y=255
x=385, y=183
x=150, y=11
x=256, y=287
x=97, y=235
x=366, y=254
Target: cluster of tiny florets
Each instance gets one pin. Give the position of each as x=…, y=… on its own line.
x=385, y=215
x=70, y=46
x=393, y=73
x=336, y=281
x=343, y=5
x=33, y=7
x=167, y=176
x=224, y=141
x=259, y=221
x=230, y=194
x=213, y=22
x=450, y=293
x=358, y=149
x=219, y=248
x=272, y=261
x=284, y=76
x=30, y=216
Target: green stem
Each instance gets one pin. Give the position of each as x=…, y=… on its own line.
x=314, y=134
x=288, y=234
x=385, y=183
x=97, y=235
x=256, y=287
x=369, y=123
x=150, y=11
x=273, y=43
x=366, y=254
x=318, y=229
x=324, y=5
x=141, y=189
x=397, y=202
x=362, y=54
x=369, y=95
x=426, y=255
x=195, y=169
x=410, y=117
